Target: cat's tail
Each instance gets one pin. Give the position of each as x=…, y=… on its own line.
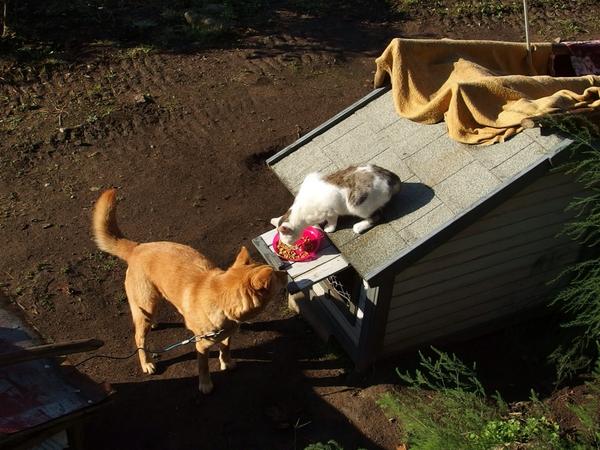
x=107, y=235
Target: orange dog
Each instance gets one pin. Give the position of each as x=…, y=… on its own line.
x=208, y=298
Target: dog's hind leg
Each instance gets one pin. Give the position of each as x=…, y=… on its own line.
x=143, y=298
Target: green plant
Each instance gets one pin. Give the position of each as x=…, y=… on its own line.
x=580, y=299
x=444, y=373
x=454, y=412
x=588, y=412
x=10, y=123
x=329, y=445
x=539, y=432
x=139, y=51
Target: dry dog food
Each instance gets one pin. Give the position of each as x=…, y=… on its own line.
x=299, y=250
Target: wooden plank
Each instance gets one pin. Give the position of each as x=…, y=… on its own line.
x=525, y=201
x=479, y=270
x=461, y=319
x=529, y=208
x=550, y=179
x=55, y=425
x=325, y=255
x=486, y=292
x=496, y=255
x=49, y=350
x=468, y=249
x=268, y=236
x=269, y=256
x=319, y=273
x=430, y=337
x=406, y=305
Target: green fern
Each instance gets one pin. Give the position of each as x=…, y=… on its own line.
x=580, y=298
x=445, y=372
x=455, y=414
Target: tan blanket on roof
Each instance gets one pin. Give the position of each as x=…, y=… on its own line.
x=483, y=89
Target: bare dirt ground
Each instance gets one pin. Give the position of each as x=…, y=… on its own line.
x=181, y=118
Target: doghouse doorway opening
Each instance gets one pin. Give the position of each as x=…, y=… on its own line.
x=344, y=289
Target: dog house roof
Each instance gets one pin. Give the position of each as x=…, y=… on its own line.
x=446, y=184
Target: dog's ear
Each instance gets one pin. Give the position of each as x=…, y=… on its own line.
x=275, y=221
x=243, y=258
x=261, y=278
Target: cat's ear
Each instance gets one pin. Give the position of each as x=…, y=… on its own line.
x=275, y=221
x=284, y=228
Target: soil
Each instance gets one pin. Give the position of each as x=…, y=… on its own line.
x=98, y=94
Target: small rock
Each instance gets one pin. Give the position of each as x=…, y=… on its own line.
x=142, y=98
x=47, y=225
x=95, y=188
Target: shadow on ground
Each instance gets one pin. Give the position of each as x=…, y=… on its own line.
x=57, y=31
x=266, y=402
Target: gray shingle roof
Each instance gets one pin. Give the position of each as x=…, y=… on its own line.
x=443, y=179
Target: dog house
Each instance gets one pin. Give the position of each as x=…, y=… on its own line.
x=470, y=239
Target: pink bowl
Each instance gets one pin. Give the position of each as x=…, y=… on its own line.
x=315, y=239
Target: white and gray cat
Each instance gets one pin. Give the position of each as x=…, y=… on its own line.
x=356, y=191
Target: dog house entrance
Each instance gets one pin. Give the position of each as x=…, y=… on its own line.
x=344, y=289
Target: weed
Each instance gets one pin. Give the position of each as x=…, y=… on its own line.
x=588, y=412
x=137, y=52
x=102, y=261
x=45, y=300
x=456, y=414
x=460, y=9
x=10, y=123
x=580, y=299
x=91, y=118
x=570, y=27
x=446, y=372
x=329, y=445
x=121, y=298
x=101, y=114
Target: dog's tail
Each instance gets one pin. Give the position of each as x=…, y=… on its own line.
x=107, y=235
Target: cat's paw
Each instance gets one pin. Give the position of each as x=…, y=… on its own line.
x=361, y=227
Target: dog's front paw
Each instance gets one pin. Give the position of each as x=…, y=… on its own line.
x=205, y=388
x=228, y=365
x=149, y=368
x=330, y=228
